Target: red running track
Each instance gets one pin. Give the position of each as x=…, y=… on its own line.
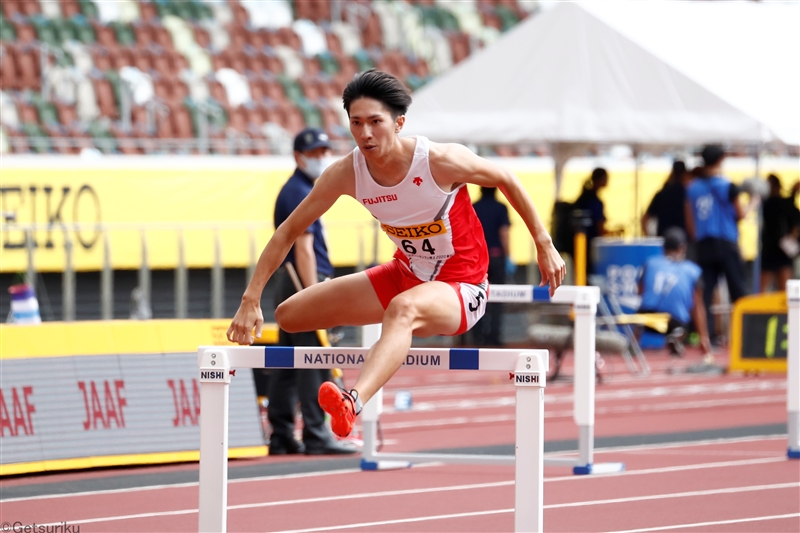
x=735, y=484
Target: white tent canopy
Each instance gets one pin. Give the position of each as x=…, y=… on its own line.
x=663, y=73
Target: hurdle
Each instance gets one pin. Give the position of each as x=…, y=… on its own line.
x=584, y=301
x=217, y=365
x=793, y=368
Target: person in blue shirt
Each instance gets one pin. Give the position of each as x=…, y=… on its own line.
x=671, y=284
x=712, y=216
x=494, y=219
x=309, y=257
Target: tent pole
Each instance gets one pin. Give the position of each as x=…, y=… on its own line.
x=636, y=224
x=759, y=223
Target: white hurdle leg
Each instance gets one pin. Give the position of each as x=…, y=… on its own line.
x=585, y=377
x=793, y=368
x=215, y=381
x=530, y=379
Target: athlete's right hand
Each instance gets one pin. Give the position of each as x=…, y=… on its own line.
x=248, y=316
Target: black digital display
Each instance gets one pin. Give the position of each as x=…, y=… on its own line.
x=764, y=336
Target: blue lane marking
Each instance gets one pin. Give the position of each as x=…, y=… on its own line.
x=541, y=294
x=278, y=357
x=463, y=359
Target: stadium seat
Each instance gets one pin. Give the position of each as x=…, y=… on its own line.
x=8, y=70
x=105, y=97
x=10, y=8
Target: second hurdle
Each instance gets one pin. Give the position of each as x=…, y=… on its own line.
x=218, y=364
x=584, y=301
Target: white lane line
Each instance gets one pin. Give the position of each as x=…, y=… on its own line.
x=681, y=444
x=555, y=506
x=405, y=492
x=668, y=469
x=178, y=485
x=745, y=462
x=663, y=391
x=400, y=521
x=690, y=494
x=615, y=410
x=714, y=523
x=301, y=501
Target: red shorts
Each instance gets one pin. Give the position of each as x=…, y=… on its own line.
x=392, y=278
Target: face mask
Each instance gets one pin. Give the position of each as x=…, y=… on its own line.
x=315, y=167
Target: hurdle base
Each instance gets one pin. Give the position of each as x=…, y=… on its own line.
x=793, y=454
x=373, y=466
x=598, y=468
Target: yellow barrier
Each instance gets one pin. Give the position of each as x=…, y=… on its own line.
x=117, y=337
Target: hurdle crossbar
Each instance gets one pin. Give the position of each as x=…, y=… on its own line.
x=217, y=366
x=584, y=301
x=793, y=368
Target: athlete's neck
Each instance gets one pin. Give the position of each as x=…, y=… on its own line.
x=390, y=167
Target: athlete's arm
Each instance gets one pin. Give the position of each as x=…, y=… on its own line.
x=452, y=164
x=337, y=180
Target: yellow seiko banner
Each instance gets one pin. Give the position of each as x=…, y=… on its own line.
x=224, y=205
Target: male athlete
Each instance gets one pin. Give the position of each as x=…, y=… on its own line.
x=436, y=283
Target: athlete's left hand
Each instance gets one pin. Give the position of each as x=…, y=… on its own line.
x=551, y=266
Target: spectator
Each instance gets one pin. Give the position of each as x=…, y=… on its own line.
x=668, y=205
x=494, y=219
x=592, y=205
x=309, y=258
x=712, y=215
x=779, y=235
x=671, y=284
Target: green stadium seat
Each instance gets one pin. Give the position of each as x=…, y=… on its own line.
x=328, y=63
x=164, y=8
x=88, y=9
x=84, y=31
x=363, y=60
x=46, y=111
x=508, y=18
x=124, y=33
x=45, y=32
x=116, y=85
x=37, y=137
x=104, y=139
x=292, y=89
x=7, y=31
x=202, y=11
x=64, y=29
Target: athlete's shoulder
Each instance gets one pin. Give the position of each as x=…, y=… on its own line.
x=447, y=151
x=340, y=176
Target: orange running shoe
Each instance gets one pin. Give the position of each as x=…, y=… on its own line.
x=343, y=407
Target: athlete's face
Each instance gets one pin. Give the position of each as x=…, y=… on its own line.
x=372, y=126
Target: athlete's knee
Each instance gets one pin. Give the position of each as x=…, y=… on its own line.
x=401, y=308
x=287, y=318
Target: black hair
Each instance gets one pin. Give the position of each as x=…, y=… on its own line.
x=674, y=239
x=712, y=154
x=678, y=171
x=598, y=174
x=380, y=86
x=488, y=192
